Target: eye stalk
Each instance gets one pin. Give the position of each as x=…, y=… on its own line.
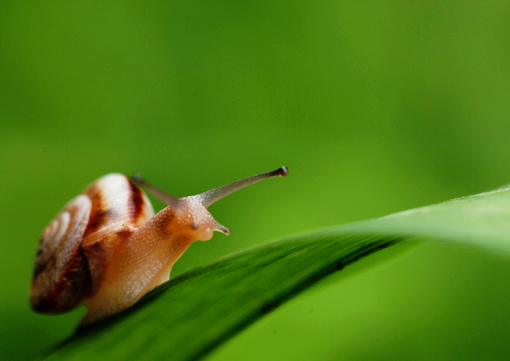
x=196, y=205
x=174, y=202
x=211, y=196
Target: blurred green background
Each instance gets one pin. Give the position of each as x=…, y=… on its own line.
x=375, y=107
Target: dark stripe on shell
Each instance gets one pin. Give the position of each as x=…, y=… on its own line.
x=68, y=291
x=61, y=276
x=136, y=202
x=97, y=214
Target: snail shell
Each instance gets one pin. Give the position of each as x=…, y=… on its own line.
x=63, y=276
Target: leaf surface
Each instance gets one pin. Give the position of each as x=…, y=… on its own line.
x=196, y=312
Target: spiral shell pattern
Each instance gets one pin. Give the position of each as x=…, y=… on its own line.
x=62, y=274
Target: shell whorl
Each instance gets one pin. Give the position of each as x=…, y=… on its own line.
x=62, y=273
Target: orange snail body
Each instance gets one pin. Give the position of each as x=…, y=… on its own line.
x=106, y=248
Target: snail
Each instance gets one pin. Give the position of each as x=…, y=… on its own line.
x=106, y=248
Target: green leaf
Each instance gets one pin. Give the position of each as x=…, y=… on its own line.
x=194, y=313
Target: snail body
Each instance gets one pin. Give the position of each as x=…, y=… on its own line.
x=107, y=248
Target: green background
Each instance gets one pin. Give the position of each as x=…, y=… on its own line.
x=375, y=107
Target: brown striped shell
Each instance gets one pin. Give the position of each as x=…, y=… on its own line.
x=63, y=274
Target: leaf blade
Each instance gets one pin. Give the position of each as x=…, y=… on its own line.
x=194, y=313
